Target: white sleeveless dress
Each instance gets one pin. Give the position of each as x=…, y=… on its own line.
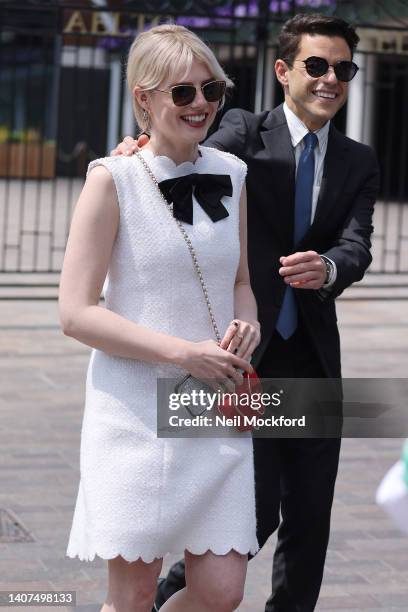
x=141, y=496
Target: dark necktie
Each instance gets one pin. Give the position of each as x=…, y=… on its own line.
x=208, y=191
x=288, y=315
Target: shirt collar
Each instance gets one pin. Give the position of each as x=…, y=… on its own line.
x=298, y=130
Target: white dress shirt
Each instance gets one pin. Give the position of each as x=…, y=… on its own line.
x=298, y=131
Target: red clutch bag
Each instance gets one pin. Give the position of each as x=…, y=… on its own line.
x=244, y=409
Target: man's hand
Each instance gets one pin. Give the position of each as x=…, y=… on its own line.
x=304, y=270
x=128, y=146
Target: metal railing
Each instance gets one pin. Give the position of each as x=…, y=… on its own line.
x=63, y=102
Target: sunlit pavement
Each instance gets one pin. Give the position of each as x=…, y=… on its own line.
x=42, y=383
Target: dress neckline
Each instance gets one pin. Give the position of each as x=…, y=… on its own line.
x=168, y=163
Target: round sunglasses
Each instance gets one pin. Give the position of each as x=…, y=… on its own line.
x=185, y=94
x=317, y=67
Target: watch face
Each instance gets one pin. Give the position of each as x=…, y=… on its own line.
x=329, y=268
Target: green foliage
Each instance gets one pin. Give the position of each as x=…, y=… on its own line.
x=30, y=135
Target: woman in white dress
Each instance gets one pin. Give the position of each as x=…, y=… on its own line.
x=141, y=496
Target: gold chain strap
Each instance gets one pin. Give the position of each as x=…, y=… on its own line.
x=189, y=245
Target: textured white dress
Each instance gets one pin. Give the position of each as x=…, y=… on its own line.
x=141, y=496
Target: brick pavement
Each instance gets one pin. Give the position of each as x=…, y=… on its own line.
x=42, y=378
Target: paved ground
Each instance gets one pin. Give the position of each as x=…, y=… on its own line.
x=42, y=377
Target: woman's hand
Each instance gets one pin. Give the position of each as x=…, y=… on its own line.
x=208, y=361
x=128, y=146
x=241, y=338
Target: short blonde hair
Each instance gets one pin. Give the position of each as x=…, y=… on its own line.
x=160, y=53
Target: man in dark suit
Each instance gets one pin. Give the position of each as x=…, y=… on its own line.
x=311, y=193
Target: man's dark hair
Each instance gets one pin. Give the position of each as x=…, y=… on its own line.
x=293, y=29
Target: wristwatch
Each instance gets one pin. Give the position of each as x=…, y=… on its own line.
x=329, y=269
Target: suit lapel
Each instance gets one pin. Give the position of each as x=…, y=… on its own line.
x=280, y=155
x=336, y=167
x=279, y=151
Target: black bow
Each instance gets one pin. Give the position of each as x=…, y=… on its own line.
x=208, y=190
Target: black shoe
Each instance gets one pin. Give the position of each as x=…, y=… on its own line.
x=156, y=605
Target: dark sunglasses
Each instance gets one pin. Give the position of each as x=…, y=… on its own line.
x=185, y=94
x=317, y=66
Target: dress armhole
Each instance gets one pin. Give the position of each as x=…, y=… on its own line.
x=105, y=163
x=242, y=172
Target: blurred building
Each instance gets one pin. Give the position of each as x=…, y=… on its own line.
x=63, y=97
x=62, y=65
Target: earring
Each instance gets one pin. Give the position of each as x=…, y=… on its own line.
x=146, y=120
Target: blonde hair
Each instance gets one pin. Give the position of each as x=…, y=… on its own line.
x=162, y=52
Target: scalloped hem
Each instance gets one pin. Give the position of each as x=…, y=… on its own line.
x=107, y=555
